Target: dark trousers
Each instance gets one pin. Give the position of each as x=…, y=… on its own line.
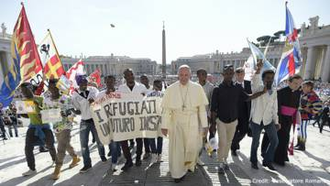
x=241, y=130
x=31, y=140
x=156, y=149
x=127, y=153
x=2, y=127
x=146, y=145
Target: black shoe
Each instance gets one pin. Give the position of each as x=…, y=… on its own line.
x=43, y=149
x=300, y=147
x=233, y=153
x=5, y=138
x=85, y=169
x=109, y=154
x=280, y=163
x=127, y=166
x=269, y=165
x=138, y=162
x=178, y=180
x=254, y=166
x=104, y=159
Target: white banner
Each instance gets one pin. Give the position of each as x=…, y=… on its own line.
x=120, y=116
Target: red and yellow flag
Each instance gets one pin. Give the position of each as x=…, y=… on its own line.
x=50, y=59
x=27, y=52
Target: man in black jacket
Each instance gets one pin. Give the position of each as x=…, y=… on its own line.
x=243, y=111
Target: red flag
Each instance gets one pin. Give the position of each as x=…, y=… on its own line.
x=30, y=63
x=95, y=77
x=77, y=68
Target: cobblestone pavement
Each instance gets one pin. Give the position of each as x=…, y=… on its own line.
x=311, y=167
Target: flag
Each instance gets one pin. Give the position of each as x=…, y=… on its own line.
x=257, y=54
x=50, y=59
x=95, y=77
x=290, y=62
x=76, y=69
x=26, y=48
x=25, y=61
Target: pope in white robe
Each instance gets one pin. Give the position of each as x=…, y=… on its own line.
x=184, y=121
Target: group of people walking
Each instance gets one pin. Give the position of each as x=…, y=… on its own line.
x=192, y=114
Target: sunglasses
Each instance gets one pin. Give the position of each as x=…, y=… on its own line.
x=228, y=67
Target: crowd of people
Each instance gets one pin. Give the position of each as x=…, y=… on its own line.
x=192, y=114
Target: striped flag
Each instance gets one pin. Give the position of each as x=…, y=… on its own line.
x=291, y=60
x=25, y=61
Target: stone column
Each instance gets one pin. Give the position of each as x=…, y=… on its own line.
x=325, y=76
x=310, y=63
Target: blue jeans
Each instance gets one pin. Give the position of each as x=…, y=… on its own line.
x=87, y=126
x=271, y=131
x=159, y=148
x=115, y=151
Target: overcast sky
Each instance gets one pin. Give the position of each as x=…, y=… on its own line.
x=192, y=26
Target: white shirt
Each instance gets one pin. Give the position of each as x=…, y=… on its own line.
x=208, y=89
x=138, y=88
x=263, y=108
x=82, y=104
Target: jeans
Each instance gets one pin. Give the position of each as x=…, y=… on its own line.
x=15, y=130
x=271, y=132
x=87, y=126
x=152, y=143
x=115, y=151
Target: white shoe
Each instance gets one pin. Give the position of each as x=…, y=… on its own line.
x=154, y=158
x=29, y=172
x=159, y=159
x=200, y=162
x=114, y=167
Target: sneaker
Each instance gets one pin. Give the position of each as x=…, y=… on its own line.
x=127, y=166
x=29, y=172
x=104, y=159
x=75, y=161
x=114, y=167
x=154, y=158
x=146, y=156
x=85, y=169
x=221, y=168
x=159, y=159
x=200, y=162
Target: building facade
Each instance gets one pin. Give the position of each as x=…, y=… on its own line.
x=114, y=65
x=214, y=63
x=315, y=49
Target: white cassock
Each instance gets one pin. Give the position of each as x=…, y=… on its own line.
x=184, y=115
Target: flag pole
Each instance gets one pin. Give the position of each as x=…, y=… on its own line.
x=51, y=37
